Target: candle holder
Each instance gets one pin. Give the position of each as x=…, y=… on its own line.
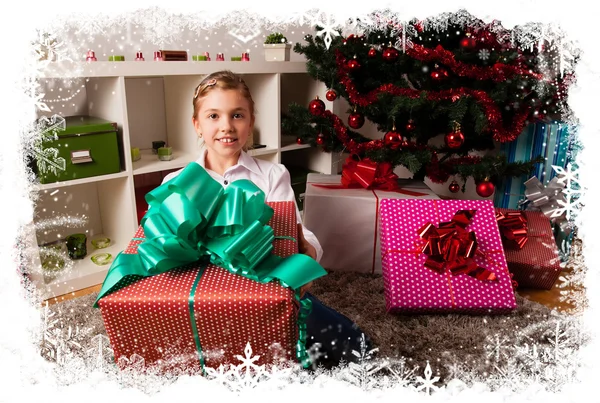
x=156, y=145
x=135, y=154
x=165, y=153
x=220, y=57
x=158, y=56
x=245, y=57
x=76, y=246
x=139, y=57
x=91, y=56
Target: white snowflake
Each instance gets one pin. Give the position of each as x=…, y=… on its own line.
x=364, y=373
x=572, y=192
x=328, y=29
x=497, y=347
x=427, y=383
x=484, y=54
x=101, y=355
x=246, y=33
x=248, y=375
x=48, y=48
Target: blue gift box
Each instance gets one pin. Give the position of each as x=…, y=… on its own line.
x=551, y=141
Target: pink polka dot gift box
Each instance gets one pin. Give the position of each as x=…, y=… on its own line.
x=531, y=251
x=443, y=256
x=152, y=316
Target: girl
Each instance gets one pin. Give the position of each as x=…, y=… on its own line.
x=223, y=118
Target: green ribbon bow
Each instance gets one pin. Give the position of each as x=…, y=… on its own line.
x=192, y=216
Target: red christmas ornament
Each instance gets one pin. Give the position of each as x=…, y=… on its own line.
x=410, y=126
x=454, y=187
x=299, y=141
x=316, y=107
x=390, y=54
x=372, y=53
x=331, y=95
x=454, y=139
x=320, y=139
x=393, y=138
x=353, y=64
x=356, y=120
x=468, y=42
x=485, y=188
x=439, y=74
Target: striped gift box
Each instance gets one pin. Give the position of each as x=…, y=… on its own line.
x=550, y=140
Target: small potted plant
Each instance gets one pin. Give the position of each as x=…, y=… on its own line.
x=276, y=48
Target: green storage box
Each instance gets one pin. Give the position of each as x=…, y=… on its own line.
x=87, y=147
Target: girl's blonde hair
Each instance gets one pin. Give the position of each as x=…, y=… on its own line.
x=224, y=80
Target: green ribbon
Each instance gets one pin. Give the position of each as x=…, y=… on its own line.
x=192, y=216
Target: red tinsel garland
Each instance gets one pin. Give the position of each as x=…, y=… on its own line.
x=499, y=71
x=492, y=112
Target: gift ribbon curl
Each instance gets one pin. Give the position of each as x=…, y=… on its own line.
x=513, y=228
x=370, y=175
x=192, y=217
x=545, y=198
x=450, y=247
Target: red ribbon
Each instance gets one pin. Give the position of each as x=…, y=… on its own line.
x=451, y=247
x=370, y=175
x=513, y=228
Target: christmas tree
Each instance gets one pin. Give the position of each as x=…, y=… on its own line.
x=469, y=82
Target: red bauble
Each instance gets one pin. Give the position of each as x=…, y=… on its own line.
x=410, y=126
x=331, y=95
x=439, y=74
x=468, y=42
x=320, y=139
x=393, y=139
x=353, y=64
x=485, y=188
x=454, y=139
x=390, y=54
x=299, y=141
x=372, y=53
x=454, y=187
x=316, y=107
x=356, y=120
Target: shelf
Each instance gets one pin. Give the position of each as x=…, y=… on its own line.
x=288, y=143
x=150, y=68
x=150, y=162
x=262, y=151
x=84, y=273
x=75, y=182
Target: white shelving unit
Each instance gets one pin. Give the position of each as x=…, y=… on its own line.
x=153, y=101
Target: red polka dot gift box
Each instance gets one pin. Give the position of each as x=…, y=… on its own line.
x=199, y=316
x=530, y=248
x=443, y=256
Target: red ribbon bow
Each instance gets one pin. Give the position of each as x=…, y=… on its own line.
x=372, y=175
x=451, y=247
x=513, y=228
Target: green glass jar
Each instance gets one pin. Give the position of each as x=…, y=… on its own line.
x=76, y=245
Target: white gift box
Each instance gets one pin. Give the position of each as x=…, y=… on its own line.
x=345, y=221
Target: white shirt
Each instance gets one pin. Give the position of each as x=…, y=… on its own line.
x=273, y=179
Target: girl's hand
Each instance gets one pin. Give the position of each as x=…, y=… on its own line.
x=305, y=288
x=304, y=246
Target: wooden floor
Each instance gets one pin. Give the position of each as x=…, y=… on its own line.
x=549, y=298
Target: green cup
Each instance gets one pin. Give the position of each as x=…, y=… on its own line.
x=76, y=246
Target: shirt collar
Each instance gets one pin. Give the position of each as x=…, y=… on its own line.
x=245, y=161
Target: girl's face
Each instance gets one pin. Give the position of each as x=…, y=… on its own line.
x=224, y=122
